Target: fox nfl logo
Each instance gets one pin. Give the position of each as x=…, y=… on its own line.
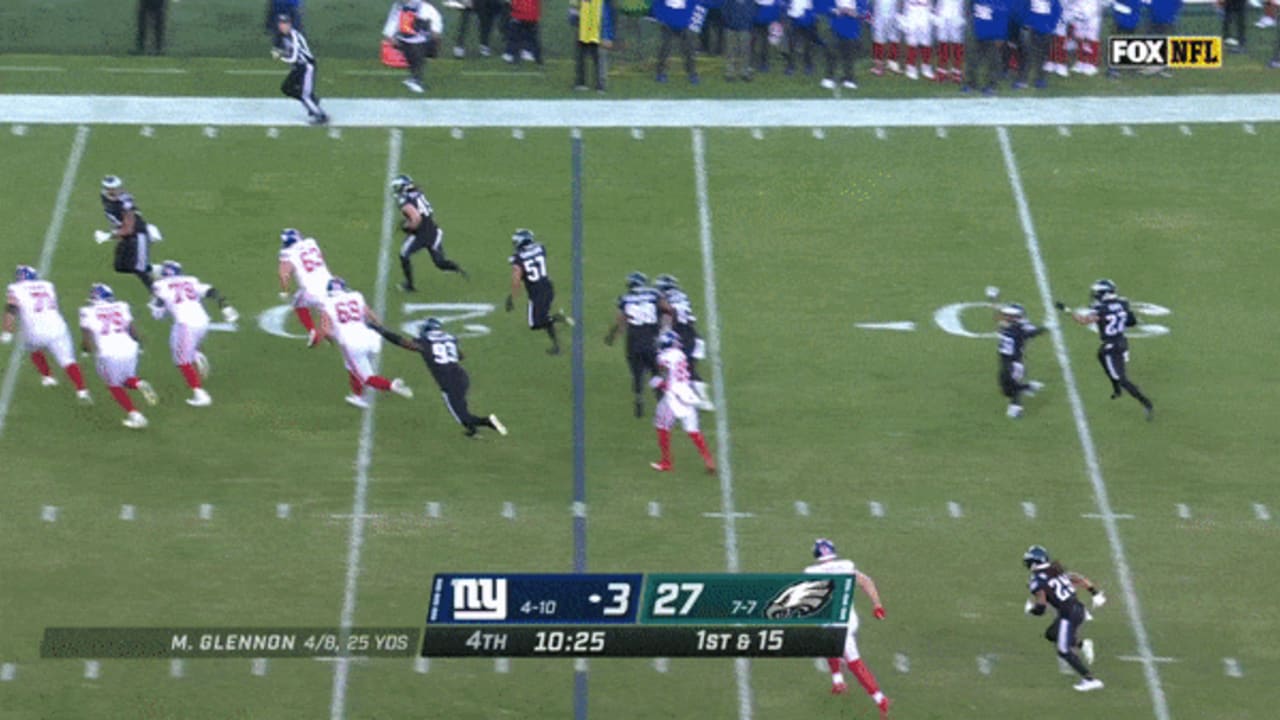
x=1179, y=51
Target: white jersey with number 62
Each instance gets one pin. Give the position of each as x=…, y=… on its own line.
x=37, y=304
x=309, y=268
x=183, y=297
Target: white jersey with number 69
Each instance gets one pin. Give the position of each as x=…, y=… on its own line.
x=109, y=323
x=346, y=312
x=183, y=298
x=37, y=304
x=309, y=268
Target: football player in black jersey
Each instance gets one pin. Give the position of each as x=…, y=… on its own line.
x=1012, y=333
x=1051, y=584
x=638, y=312
x=529, y=266
x=132, y=233
x=440, y=351
x=1112, y=315
x=421, y=230
x=676, y=306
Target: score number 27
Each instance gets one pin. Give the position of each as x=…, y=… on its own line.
x=668, y=594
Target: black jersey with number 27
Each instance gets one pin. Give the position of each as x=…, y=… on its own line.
x=1113, y=317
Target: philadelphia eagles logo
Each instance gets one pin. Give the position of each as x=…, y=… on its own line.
x=800, y=600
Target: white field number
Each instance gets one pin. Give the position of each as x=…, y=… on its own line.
x=949, y=319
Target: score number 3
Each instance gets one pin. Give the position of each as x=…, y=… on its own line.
x=668, y=594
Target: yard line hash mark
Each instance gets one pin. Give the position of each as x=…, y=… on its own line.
x=954, y=509
x=456, y=133
x=1261, y=512
x=128, y=512
x=51, y=236
x=757, y=133
x=422, y=665
x=741, y=666
x=1029, y=509
x=941, y=131
x=210, y=132
x=802, y=508
x=283, y=511
x=517, y=134
x=364, y=451
x=176, y=668
x=986, y=663
x=655, y=509
x=92, y=669
x=901, y=663
x=1064, y=131
x=1184, y=129
x=19, y=130
x=881, y=134
x=877, y=510
x=637, y=133
x=1159, y=702
x=1231, y=667
x=8, y=672
x=49, y=513
x=502, y=666
x=273, y=133
x=258, y=667
x=206, y=511
x=1126, y=131
x=819, y=133
x=1249, y=129
x=1184, y=512
x=433, y=509
x=509, y=510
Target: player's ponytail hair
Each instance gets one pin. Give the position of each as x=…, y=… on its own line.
x=1055, y=568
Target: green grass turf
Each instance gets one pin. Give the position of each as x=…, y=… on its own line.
x=811, y=236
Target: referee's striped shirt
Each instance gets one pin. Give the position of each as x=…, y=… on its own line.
x=295, y=50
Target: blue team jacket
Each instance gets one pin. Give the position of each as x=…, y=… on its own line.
x=807, y=19
x=847, y=27
x=990, y=19
x=1165, y=12
x=676, y=18
x=1041, y=15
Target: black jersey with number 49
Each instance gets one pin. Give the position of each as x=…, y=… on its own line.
x=531, y=258
x=640, y=308
x=440, y=351
x=1058, y=589
x=1012, y=339
x=414, y=197
x=1114, y=316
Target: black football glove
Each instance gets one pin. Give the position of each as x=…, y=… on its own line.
x=1062, y=307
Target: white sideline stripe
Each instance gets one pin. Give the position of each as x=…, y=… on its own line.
x=661, y=665
x=1029, y=509
x=877, y=510
x=283, y=510
x=901, y=663
x=1261, y=512
x=206, y=511
x=655, y=509
x=51, y=235
x=756, y=114
x=741, y=666
x=502, y=666
x=422, y=665
x=954, y=509
x=1231, y=667
x=258, y=667
x=49, y=513
x=433, y=509
x=176, y=668
x=128, y=512
x=986, y=663
x=1159, y=702
x=364, y=452
x=509, y=510
x=92, y=669
x=802, y=508
x=8, y=672
x=1184, y=511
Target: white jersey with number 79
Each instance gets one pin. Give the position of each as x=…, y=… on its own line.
x=183, y=297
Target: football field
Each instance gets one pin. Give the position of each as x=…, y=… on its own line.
x=838, y=272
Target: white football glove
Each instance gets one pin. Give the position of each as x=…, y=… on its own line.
x=1027, y=607
x=6, y=337
x=229, y=314
x=993, y=292
x=1099, y=600
x=157, y=310
x=101, y=236
x=275, y=54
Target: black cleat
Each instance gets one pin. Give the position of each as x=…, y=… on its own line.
x=464, y=274
x=1150, y=410
x=406, y=287
x=639, y=408
x=471, y=432
x=553, y=350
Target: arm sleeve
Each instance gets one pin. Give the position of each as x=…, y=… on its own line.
x=389, y=28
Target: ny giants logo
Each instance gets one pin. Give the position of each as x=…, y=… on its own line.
x=479, y=598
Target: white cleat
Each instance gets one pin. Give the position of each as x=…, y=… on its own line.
x=200, y=398
x=413, y=85
x=568, y=319
x=926, y=71
x=497, y=425
x=1060, y=69
x=912, y=73
x=202, y=365
x=894, y=67
x=84, y=397
x=48, y=381
x=313, y=338
x=828, y=84
x=357, y=401
x=1014, y=411
x=1088, y=69
x=399, y=387
x=459, y=51
x=1088, y=685
x=148, y=392
x=849, y=85
x=1265, y=22
x=135, y=421
x=1086, y=649
x=1033, y=387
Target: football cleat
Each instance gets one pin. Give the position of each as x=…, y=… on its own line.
x=665, y=282
x=1014, y=411
x=636, y=279
x=1102, y=290
x=1033, y=387
x=399, y=387
x=170, y=268
x=135, y=421
x=289, y=236
x=25, y=272
x=839, y=688
x=1036, y=557
x=48, y=381
x=400, y=184
x=660, y=466
x=101, y=293
x=522, y=237
x=313, y=338
x=497, y=425
x=148, y=392
x=823, y=548
x=1086, y=650
x=336, y=285
x=884, y=704
x=200, y=398
x=357, y=401
x=1088, y=684
x=84, y=397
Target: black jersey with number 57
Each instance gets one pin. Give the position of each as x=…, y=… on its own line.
x=1057, y=586
x=1012, y=339
x=1113, y=317
x=531, y=258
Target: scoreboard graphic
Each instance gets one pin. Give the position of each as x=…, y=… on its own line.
x=535, y=615
x=632, y=615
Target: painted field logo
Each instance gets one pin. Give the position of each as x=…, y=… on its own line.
x=1179, y=51
x=800, y=600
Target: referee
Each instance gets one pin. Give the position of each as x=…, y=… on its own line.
x=291, y=47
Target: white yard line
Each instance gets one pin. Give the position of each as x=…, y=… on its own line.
x=51, y=236
x=742, y=666
x=364, y=452
x=1101, y=496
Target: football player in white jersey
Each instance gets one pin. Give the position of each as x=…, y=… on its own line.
x=949, y=20
x=828, y=563
x=917, y=32
x=885, y=34
x=181, y=296
x=34, y=303
x=343, y=323
x=106, y=329
x=301, y=260
x=1084, y=18
x=679, y=402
